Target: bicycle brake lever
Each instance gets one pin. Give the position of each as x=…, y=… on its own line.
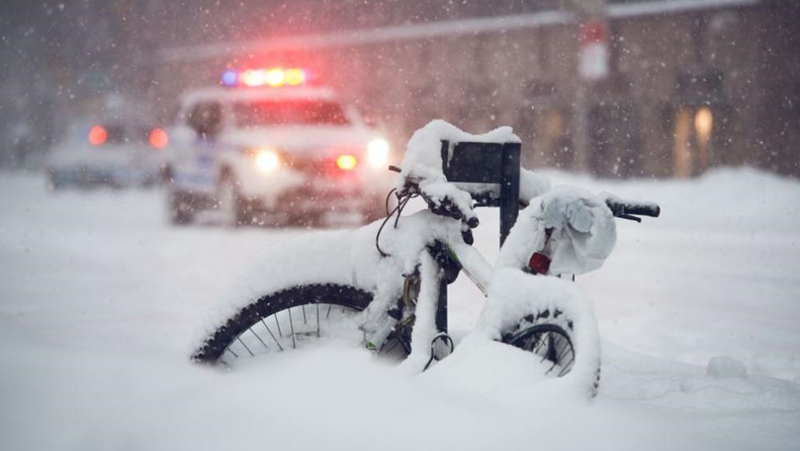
x=630, y=218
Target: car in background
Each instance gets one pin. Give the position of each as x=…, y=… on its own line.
x=267, y=147
x=112, y=153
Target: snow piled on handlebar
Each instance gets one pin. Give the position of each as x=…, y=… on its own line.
x=422, y=161
x=584, y=232
x=423, y=158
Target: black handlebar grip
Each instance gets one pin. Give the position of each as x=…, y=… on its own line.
x=625, y=208
x=644, y=209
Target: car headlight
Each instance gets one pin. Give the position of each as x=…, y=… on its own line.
x=378, y=153
x=267, y=160
x=346, y=162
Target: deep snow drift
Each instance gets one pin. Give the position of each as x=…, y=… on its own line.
x=100, y=302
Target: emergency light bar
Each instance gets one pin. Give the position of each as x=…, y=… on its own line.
x=274, y=77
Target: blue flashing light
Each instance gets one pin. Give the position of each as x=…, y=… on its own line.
x=230, y=78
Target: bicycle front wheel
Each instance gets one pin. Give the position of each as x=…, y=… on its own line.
x=549, y=338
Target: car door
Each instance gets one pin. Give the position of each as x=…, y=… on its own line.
x=196, y=154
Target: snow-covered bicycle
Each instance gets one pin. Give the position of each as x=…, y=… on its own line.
x=384, y=286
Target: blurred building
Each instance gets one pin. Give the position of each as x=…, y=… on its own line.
x=692, y=84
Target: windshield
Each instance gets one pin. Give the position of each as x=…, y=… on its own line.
x=295, y=112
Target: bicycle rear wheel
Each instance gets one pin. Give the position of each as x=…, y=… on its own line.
x=287, y=320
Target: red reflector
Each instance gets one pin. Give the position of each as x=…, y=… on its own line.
x=158, y=138
x=97, y=135
x=539, y=263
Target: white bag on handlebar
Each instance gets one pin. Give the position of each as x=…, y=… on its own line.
x=583, y=235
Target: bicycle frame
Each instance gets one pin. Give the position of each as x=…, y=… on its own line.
x=461, y=257
x=532, y=234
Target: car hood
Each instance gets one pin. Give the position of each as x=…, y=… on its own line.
x=302, y=139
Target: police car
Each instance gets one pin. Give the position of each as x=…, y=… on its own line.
x=267, y=147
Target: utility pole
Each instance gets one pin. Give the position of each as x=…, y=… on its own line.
x=592, y=67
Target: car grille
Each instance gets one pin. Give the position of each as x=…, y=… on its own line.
x=312, y=166
x=316, y=166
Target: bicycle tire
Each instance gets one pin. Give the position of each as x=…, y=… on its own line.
x=271, y=305
x=550, y=338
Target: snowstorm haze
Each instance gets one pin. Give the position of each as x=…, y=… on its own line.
x=479, y=64
x=273, y=224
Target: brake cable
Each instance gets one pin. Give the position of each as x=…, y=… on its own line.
x=402, y=200
x=386, y=202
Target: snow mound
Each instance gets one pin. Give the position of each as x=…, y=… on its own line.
x=726, y=367
x=505, y=308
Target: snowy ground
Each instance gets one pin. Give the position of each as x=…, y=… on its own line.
x=100, y=301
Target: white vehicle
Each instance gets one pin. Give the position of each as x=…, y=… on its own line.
x=111, y=152
x=266, y=148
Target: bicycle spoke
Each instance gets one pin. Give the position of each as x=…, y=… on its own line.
x=245, y=346
x=271, y=334
x=565, y=350
x=540, y=343
x=259, y=338
x=545, y=339
x=548, y=342
x=291, y=324
x=340, y=325
x=565, y=369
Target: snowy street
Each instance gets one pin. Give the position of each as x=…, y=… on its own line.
x=101, y=302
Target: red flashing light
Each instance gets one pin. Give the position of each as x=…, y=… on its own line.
x=97, y=135
x=593, y=31
x=158, y=138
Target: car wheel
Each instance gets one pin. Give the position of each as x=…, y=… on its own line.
x=181, y=211
x=53, y=182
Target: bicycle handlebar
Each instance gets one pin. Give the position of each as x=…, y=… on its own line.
x=627, y=209
x=620, y=208
x=446, y=207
